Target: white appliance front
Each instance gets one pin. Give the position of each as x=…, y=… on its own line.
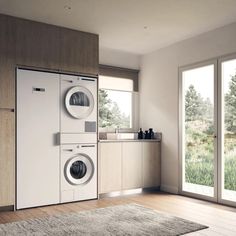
x=78, y=172
x=78, y=104
x=37, y=130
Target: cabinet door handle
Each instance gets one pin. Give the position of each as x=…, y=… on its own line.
x=67, y=80
x=87, y=145
x=68, y=150
x=7, y=109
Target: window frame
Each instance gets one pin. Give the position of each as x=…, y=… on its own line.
x=182, y=69
x=123, y=73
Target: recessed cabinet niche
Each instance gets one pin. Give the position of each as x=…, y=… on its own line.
x=40, y=46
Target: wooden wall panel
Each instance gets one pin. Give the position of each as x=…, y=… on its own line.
x=37, y=44
x=7, y=62
x=7, y=158
x=79, y=51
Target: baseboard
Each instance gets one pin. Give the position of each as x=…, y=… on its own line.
x=169, y=189
x=128, y=192
x=120, y=193
x=6, y=208
x=151, y=189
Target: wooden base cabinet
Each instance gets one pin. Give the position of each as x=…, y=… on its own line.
x=129, y=165
x=151, y=166
x=110, y=166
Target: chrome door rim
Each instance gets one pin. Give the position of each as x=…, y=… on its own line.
x=69, y=107
x=90, y=169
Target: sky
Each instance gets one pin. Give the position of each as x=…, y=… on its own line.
x=119, y=90
x=123, y=99
x=203, y=78
x=228, y=70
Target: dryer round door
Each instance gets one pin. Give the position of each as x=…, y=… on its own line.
x=79, y=169
x=79, y=102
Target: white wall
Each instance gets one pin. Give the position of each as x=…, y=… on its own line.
x=159, y=90
x=119, y=58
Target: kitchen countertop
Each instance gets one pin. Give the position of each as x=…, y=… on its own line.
x=127, y=140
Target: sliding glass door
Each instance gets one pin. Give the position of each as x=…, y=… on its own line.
x=208, y=130
x=227, y=163
x=198, y=130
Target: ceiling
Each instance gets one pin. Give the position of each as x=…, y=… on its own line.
x=135, y=26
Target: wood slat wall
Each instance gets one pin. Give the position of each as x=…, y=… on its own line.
x=35, y=45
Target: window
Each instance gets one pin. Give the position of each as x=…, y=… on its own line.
x=208, y=129
x=115, y=102
x=198, y=129
x=118, y=99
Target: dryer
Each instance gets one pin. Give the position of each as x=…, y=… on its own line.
x=78, y=172
x=78, y=104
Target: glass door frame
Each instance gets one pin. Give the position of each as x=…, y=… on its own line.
x=221, y=131
x=181, y=131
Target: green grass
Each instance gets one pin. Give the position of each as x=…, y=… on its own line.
x=199, y=149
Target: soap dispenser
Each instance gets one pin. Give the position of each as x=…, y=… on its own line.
x=140, y=134
x=151, y=133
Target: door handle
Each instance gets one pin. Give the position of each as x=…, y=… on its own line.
x=68, y=150
x=212, y=136
x=67, y=80
x=87, y=145
x=7, y=109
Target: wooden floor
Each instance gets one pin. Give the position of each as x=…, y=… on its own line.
x=220, y=219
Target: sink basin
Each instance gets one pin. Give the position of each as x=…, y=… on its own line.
x=117, y=136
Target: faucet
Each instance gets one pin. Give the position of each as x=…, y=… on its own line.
x=117, y=129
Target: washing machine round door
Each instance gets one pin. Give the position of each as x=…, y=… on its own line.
x=79, y=102
x=79, y=169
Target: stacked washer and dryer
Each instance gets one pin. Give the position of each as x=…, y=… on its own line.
x=56, y=159
x=78, y=138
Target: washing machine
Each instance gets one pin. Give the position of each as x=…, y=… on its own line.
x=78, y=104
x=78, y=172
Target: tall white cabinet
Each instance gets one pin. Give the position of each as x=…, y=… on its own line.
x=129, y=165
x=37, y=130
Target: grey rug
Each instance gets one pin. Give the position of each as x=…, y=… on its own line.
x=130, y=219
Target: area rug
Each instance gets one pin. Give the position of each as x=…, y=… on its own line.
x=130, y=219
